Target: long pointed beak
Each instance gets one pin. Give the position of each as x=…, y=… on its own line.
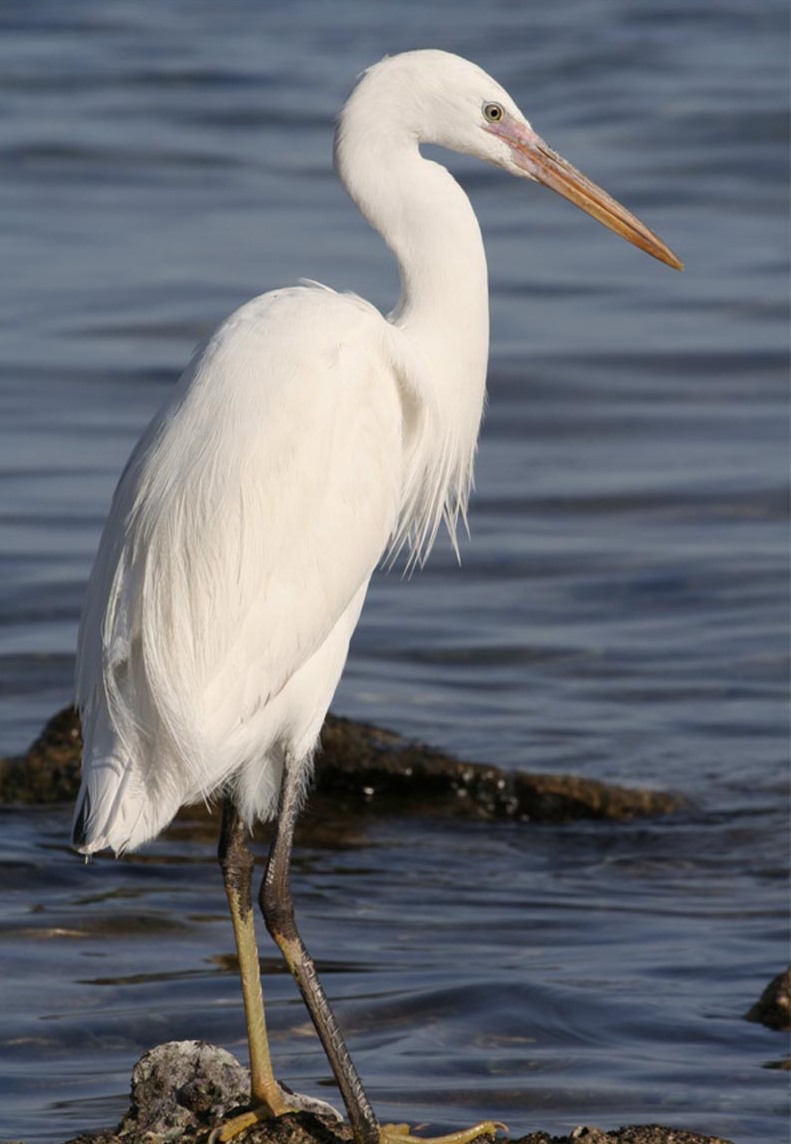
x=535, y=159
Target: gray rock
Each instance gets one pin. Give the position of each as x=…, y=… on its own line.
x=182, y=1084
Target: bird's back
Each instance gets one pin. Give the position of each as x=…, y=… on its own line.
x=234, y=563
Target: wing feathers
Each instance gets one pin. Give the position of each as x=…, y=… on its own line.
x=250, y=515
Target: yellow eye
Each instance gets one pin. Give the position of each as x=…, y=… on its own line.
x=493, y=112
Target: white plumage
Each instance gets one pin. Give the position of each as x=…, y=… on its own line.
x=309, y=437
x=232, y=572
x=306, y=438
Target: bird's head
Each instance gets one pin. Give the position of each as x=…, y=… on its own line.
x=432, y=96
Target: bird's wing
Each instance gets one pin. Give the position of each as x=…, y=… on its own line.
x=249, y=516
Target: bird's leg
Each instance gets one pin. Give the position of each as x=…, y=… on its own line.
x=236, y=863
x=278, y=910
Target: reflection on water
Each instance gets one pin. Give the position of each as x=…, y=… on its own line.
x=621, y=609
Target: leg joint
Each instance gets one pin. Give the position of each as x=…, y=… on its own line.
x=277, y=906
x=236, y=861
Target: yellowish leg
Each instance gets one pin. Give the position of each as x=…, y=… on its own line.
x=268, y=1098
x=236, y=863
x=263, y=1086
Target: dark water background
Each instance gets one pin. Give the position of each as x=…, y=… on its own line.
x=622, y=606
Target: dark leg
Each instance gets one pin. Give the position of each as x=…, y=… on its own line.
x=236, y=863
x=278, y=910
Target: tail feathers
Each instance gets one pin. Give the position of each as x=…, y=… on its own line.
x=82, y=816
x=114, y=810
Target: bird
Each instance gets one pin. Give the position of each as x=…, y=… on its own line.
x=309, y=439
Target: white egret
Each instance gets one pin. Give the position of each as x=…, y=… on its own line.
x=309, y=436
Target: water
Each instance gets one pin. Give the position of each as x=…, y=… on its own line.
x=621, y=610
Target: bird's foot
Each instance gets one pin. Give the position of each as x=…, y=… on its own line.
x=388, y=1133
x=283, y=1101
x=238, y=1124
x=400, y=1134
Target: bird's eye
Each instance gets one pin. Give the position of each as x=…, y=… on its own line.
x=493, y=112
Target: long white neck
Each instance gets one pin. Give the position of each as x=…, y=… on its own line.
x=427, y=221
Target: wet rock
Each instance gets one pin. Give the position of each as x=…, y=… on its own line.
x=636, y=1134
x=182, y=1090
x=361, y=763
x=773, y=1007
x=50, y=770
x=364, y=766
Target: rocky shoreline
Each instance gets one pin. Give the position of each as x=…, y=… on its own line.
x=181, y=1090
x=364, y=766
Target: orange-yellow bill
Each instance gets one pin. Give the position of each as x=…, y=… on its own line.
x=537, y=161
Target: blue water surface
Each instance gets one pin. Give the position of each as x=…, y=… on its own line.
x=621, y=609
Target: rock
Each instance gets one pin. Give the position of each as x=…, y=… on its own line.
x=182, y=1083
x=773, y=1007
x=183, y=1089
x=636, y=1134
x=50, y=770
x=364, y=766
